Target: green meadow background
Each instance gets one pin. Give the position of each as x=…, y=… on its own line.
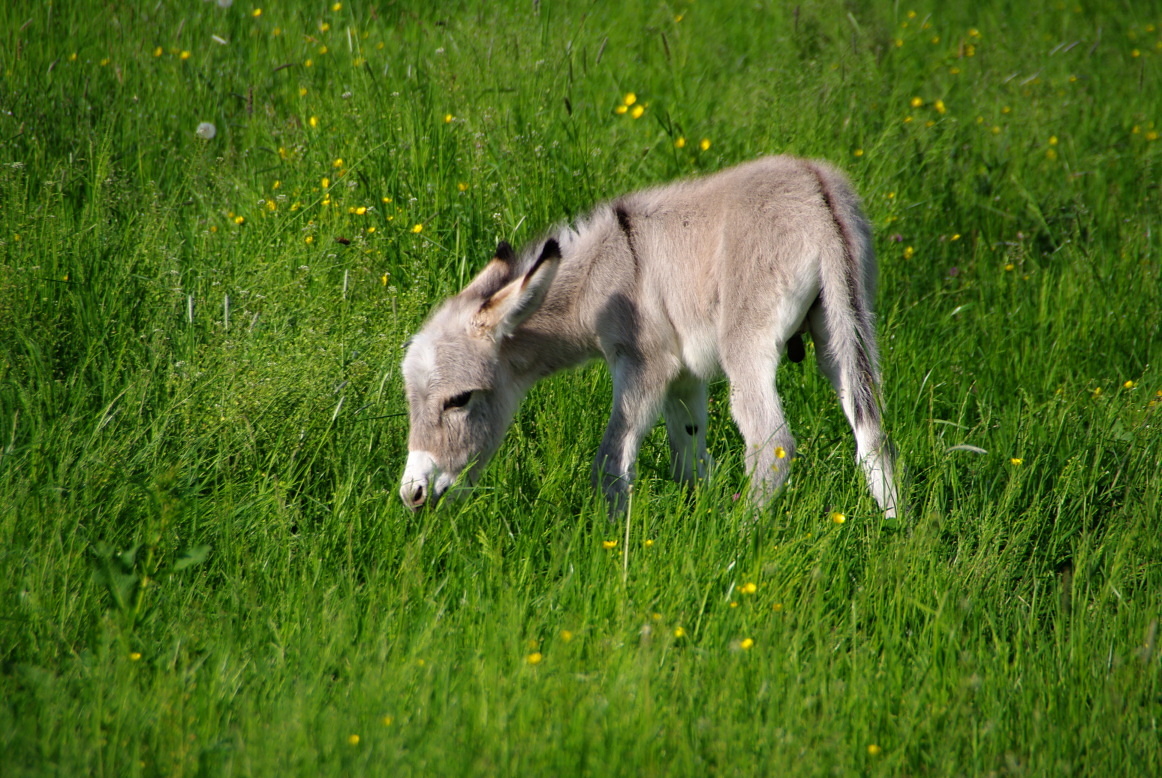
x=205, y=567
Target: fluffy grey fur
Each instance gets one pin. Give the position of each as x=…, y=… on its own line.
x=669, y=286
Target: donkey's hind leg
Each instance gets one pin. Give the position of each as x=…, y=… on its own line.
x=685, y=412
x=756, y=408
x=872, y=449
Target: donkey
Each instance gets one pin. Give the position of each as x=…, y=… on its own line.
x=669, y=286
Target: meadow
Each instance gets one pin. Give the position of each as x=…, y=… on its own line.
x=218, y=225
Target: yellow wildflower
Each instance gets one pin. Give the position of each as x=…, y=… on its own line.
x=609, y=544
x=417, y=229
x=679, y=632
x=1128, y=385
x=746, y=644
x=917, y=102
x=1016, y=461
x=680, y=143
x=909, y=252
x=838, y=517
x=939, y=106
x=620, y=109
x=748, y=588
x=705, y=144
x=637, y=111
x=535, y=658
x=873, y=750
x=448, y=118
x=630, y=98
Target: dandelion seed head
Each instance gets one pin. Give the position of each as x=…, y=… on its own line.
x=206, y=131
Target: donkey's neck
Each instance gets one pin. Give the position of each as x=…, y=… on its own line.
x=556, y=336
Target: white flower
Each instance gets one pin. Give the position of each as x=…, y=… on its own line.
x=206, y=131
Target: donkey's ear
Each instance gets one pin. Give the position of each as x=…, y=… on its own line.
x=506, y=310
x=505, y=253
x=495, y=274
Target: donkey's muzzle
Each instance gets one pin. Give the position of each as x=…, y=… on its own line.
x=419, y=477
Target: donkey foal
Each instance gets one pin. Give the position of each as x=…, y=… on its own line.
x=669, y=286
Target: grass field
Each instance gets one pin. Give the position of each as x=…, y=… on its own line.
x=205, y=568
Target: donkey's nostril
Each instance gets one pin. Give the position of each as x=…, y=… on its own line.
x=418, y=495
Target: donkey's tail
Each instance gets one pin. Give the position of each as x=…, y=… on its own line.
x=850, y=357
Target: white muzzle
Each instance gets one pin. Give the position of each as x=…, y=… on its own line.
x=423, y=481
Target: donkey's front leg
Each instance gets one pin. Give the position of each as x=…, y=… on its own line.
x=685, y=412
x=638, y=390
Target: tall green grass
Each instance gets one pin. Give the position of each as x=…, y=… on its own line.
x=205, y=565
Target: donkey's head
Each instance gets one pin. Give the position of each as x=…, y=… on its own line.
x=461, y=389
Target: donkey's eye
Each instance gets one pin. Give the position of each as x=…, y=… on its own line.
x=458, y=401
